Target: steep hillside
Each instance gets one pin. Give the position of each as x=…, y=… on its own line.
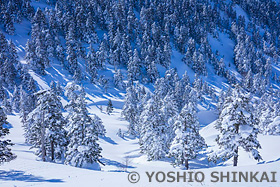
x=194, y=84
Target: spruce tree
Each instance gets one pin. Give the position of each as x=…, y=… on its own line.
x=8, y=23
x=109, y=108
x=133, y=68
x=187, y=141
x=118, y=80
x=83, y=133
x=153, y=131
x=92, y=63
x=5, y=151
x=2, y=93
x=16, y=99
x=101, y=131
x=44, y=127
x=7, y=106
x=237, y=127
x=130, y=110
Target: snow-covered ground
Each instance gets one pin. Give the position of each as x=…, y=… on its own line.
x=122, y=155
x=28, y=170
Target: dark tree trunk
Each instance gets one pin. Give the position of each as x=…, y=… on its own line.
x=43, y=144
x=235, y=158
x=43, y=153
x=43, y=147
x=187, y=164
x=52, y=150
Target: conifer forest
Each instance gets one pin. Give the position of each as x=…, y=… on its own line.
x=92, y=90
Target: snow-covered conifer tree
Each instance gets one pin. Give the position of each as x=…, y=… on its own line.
x=99, y=125
x=83, y=148
x=169, y=111
x=153, y=131
x=7, y=106
x=130, y=110
x=16, y=99
x=118, y=80
x=5, y=151
x=133, y=68
x=44, y=127
x=92, y=63
x=237, y=127
x=109, y=108
x=187, y=142
x=2, y=93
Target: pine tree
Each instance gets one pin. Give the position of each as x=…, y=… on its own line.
x=130, y=110
x=267, y=70
x=73, y=52
x=103, y=51
x=109, y=108
x=167, y=51
x=44, y=127
x=53, y=86
x=72, y=91
x=153, y=132
x=133, y=68
x=190, y=52
x=8, y=23
x=259, y=85
x=36, y=49
x=118, y=80
x=152, y=71
x=199, y=63
x=92, y=63
x=23, y=108
x=8, y=62
x=2, y=93
x=187, y=142
x=120, y=134
x=49, y=43
x=248, y=81
x=59, y=89
x=267, y=113
x=182, y=90
x=101, y=131
x=169, y=111
x=90, y=35
x=30, y=52
x=31, y=86
x=237, y=127
x=83, y=148
x=5, y=151
x=60, y=54
x=9, y=73
x=220, y=68
x=56, y=88
x=7, y=106
x=13, y=54
x=16, y=99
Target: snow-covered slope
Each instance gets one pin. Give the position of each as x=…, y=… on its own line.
x=269, y=148
x=28, y=170
x=122, y=155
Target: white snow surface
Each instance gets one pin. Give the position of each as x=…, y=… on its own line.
x=122, y=155
x=28, y=170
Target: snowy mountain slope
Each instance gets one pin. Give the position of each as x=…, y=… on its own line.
x=122, y=155
x=268, y=152
x=28, y=170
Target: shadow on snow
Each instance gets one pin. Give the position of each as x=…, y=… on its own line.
x=108, y=139
x=114, y=163
x=15, y=175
